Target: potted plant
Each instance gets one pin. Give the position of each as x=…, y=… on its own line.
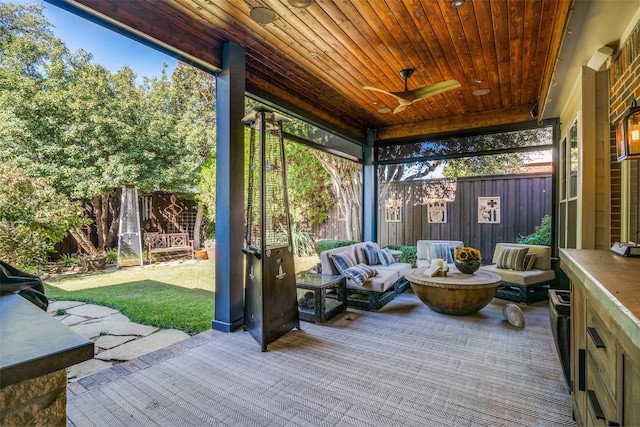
x=96, y=262
x=210, y=247
x=467, y=260
x=201, y=254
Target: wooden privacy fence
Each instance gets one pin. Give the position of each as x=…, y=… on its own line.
x=403, y=211
x=509, y=206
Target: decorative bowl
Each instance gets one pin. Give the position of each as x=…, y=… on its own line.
x=468, y=266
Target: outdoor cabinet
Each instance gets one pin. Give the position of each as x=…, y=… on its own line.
x=605, y=359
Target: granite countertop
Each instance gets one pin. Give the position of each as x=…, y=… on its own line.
x=614, y=281
x=32, y=343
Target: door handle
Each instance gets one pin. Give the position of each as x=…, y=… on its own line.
x=595, y=337
x=595, y=405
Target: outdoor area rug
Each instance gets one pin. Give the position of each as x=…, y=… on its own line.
x=403, y=365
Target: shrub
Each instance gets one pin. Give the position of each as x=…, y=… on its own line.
x=324, y=245
x=70, y=261
x=409, y=253
x=33, y=217
x=112, y=256
x=541, y=235
x=302, y=241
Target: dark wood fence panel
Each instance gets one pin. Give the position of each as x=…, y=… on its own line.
x=332, y=229
x=524, y=200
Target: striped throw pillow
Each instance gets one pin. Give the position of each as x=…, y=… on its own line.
x=386, y=257
x=529, y=261
x=360, y=273
x=342, y=261
x=371, y=253
x=512, y=258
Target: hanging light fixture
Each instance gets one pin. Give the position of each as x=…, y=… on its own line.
x=301, y=4
x=628, y=133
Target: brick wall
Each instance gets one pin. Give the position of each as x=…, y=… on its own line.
x=624, y=81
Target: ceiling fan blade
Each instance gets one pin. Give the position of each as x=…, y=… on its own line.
x=400, y=108
x=375, y=89
x=434, y=89
x=411, y=96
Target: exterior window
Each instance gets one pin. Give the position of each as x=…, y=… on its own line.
x=568, y=204
x=573, y=160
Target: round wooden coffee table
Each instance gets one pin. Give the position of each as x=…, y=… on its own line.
x=457, y=293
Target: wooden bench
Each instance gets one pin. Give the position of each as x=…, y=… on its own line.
x=168, y=242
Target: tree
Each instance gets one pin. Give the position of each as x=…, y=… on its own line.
x=308, y=184
x=92, y=131
x=499, y=164
x=495, y=164
x=33, y=217
x=347, y=185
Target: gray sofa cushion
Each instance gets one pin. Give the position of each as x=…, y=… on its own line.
x=399, y=268
x=380, y=283
x=528, y=277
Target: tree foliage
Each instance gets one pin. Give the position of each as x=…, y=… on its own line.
x=92, y=131
x=308, y=185
x=504, y=163
x=541, y=234
x=33, y=217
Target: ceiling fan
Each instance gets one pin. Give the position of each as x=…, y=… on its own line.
x=408, y=97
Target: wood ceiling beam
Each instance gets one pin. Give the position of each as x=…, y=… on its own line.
x=483, y=119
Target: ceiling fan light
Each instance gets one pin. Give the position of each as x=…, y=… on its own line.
x=480, y=92
x=300, y=3
x=384, y=110
x=262, y=15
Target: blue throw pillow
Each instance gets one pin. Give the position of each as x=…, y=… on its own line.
x=371, y=253
x=342, y=261
x=360, y=273
x=385, y=257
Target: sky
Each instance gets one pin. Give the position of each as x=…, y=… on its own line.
x=109, y=49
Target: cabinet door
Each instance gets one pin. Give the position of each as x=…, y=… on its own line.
x=578, y=352
x=602, y=360
x=629, y=377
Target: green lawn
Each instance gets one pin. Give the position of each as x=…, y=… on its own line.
x=177, y=296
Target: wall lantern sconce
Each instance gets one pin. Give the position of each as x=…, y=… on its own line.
x=628, y=133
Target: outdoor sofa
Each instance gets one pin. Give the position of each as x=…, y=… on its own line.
x=526, y=272
x=374, y=292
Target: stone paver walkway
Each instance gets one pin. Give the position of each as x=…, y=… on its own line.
x=117, y=340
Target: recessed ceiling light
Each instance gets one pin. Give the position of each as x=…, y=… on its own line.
x=480, y=92
x=384, y=110
x=262, y=15
x=313, y=53
x=300, y=3
x=457, y=3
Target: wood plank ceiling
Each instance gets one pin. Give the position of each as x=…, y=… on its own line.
x=319, y=58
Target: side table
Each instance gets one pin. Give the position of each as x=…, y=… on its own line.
x=319, y=308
